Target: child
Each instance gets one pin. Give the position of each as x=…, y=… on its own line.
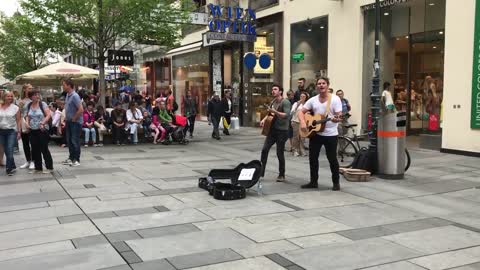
x=157, y=128
x=147, y=121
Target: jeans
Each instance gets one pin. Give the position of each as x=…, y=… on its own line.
x=73, y=130
x=26, y=146
x=39, y=141
x=316, y=144
x=278, y=137
x=7, y=139
x=134, y=132
x=89, y=131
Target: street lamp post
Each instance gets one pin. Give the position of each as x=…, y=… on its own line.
x=375, y=94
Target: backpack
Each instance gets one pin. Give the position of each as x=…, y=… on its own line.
x=362, y=160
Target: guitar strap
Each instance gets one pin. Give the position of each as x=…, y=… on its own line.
x=329, y=102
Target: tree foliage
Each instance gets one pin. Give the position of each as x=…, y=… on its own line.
x=80, y=25
x=24, y=46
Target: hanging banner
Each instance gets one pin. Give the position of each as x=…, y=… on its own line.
x=475, y=115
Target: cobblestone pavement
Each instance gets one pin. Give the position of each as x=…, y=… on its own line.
x=138, y=207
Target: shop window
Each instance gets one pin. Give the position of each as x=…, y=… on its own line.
x=309, y=52
x=191, y=72
x=412, y=60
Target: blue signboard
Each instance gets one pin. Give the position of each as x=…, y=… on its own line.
x=250, y=60
x=228, y=23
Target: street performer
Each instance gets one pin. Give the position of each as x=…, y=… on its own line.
x=328, y=138
x=280, y=110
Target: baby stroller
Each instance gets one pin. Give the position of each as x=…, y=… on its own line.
x=178, y=134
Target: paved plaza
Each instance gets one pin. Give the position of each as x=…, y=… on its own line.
x=139, y=207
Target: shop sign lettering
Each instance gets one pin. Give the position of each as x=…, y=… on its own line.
x=230, y=22
x=475, y=115
x=385, y=3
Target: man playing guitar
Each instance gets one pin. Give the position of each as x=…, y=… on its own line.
x=318, y=105
x=280, y=109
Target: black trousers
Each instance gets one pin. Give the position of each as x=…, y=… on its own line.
x=330, y=143
x=26, y=146
x=118, y=134
x=191, y=123
x=39, y=140
x=278, y=137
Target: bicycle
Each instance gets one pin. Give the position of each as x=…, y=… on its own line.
x=348, y=147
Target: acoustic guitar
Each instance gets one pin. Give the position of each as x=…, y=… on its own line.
x=315, y=123
x=267, y=124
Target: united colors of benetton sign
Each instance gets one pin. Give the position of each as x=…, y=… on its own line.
x=475, y=115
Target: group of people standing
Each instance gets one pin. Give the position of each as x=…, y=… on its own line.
x=324, y=103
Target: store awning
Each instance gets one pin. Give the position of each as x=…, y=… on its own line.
x=192, y=47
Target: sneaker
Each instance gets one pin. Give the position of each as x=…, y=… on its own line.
x=46, y=171
x=86, y=145
x=281, y=178
x=296, y=154
x=11, y=172
x=67, y=162
x=26, y=165
x=75, y=163
x=32, y=166
x=100, y=144
x=95, y=145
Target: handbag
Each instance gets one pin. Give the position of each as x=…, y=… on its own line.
x=225, y=123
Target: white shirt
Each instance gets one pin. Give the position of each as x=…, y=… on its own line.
x=8, y=117
x=131, y=116
x=388, y=97
x=314, y=105
x=295, y=109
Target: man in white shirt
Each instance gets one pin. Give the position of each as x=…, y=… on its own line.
x=328, y=138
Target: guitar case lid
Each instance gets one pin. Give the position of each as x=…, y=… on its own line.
x=245, y=174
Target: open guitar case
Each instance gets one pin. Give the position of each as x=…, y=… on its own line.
x=242, y=177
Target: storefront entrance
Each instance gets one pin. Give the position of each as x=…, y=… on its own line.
x=412, y=53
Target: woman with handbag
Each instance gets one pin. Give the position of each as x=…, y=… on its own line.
x=38, y=116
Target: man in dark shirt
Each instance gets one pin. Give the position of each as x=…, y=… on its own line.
x=280, y=109
x=216, y=110
x=300, y=89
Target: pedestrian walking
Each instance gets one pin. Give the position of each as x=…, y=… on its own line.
x=10, y=129
x=25, y=133
x=227, y=115
x=215, y=112
x=190, y=111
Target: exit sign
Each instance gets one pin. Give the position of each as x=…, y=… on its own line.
x=298, y=56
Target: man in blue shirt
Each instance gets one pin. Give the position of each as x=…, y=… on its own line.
x=73, y=122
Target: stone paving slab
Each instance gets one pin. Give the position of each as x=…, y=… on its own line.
x=358, y=254
x=204, y=258
x=28, y=224
x=363, y=215
x=319, y=240
x=144, y=221
x=270, y=231
x=32, y=198
x=244, y=208
x=38, y=214
x=319, y=199
x=101, y=256
x=474, y=266
x=436, y=205
x=403, y=265
x=260, y=249
x=450, y=259
x=29, y=251
x=23, y=206
x=436, y=240
x=47, y=234
x=187, y=243
x=258, y=263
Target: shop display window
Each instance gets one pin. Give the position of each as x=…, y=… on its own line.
x=191, y=72
x=412, y=59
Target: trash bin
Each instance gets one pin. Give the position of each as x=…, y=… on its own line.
x=391, y=145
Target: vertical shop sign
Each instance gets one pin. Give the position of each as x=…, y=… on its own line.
x=475, y=117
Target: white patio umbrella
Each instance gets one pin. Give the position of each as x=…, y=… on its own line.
x=59, y=71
